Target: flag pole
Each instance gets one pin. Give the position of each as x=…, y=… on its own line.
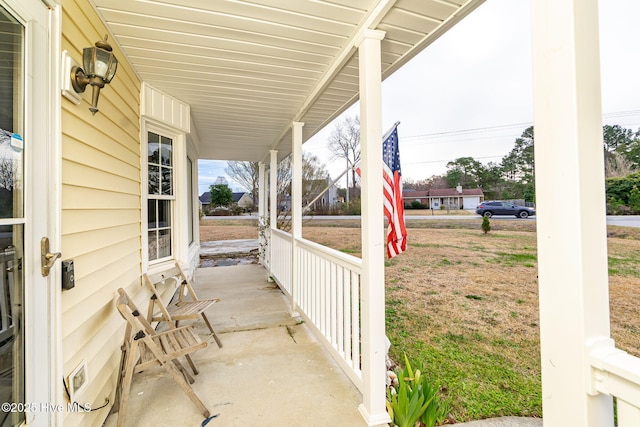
x=306, y=208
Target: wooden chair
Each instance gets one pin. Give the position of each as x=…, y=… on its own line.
x=143, y=349
x=183, y=309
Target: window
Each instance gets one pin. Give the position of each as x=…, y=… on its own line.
x=161, y=196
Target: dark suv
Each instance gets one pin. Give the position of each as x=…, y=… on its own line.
x=497, y=207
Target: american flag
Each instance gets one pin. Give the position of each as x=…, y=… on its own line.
x=393, y=202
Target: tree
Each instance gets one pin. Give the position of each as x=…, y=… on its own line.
x=617, y=138
x=490, y=180
x=624, y=142
x=221, y=195
x=486, y=225
x=247, y=175
x=439, y=182
x=344, y=143
x=8, y=170
x=419, y=185
x=519, y=168
x=314, y=179
x=464, y=171
x=617, y=165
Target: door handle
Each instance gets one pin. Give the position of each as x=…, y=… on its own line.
x=47, y=259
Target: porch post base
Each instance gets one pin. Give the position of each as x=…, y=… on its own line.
x=380, y=419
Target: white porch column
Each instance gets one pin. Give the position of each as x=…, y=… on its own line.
x=572, y=247
x=296, y=208
x=373, y=300
x=273, y=190
x=262, y=193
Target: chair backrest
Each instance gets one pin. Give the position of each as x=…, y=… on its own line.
x=131, y=314
x=185, y=283
x=152, y=280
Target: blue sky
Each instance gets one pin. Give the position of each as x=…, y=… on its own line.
x=470, y=94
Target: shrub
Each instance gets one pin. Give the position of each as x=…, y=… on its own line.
x=417, y=205
x=486, y=225
x=219, y=211
x=634, y=199
x=353, y=208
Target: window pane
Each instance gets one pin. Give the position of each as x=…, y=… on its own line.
x=152, y=214
x=164, y=243
x=164, y=213
x=154, y=179
x=166, y=148
x=10, y=177
x=153, y=245
x=153, y=148
x=167, y=179
x=154, y=137
x=12, y=320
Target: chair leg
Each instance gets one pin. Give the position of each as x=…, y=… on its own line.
x=188, y=357
x=184, y=371
x=177, y=376
x=116, y=401
x=126, y=383
x=213, y=332
x=193, y=365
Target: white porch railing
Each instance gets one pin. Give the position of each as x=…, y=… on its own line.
x=280, y=260
x=327, y=294
x=617, y=373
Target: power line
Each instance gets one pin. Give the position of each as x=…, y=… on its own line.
x=449, y=160
x=615, y=114
x=467, y=131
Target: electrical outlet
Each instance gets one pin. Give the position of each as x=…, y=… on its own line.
x=78, y=380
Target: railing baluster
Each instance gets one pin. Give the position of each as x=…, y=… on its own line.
x=333, y=304
x=355, y=320
x=340, y=309
x=347, y=316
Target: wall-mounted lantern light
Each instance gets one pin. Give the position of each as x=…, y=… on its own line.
x=99, y=68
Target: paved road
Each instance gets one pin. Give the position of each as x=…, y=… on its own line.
x=626, y=220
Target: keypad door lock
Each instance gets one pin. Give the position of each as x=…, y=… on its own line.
x=47, y=259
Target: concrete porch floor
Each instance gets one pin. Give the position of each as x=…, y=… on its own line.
x=271, y=371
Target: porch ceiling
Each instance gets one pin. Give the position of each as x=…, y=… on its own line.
x=250, y=68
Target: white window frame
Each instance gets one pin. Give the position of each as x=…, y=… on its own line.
x=178, y=207
x=192, y=257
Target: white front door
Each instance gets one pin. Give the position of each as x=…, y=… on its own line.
x=27, y=308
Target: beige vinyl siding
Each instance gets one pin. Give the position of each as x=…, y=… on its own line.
x=101, y=214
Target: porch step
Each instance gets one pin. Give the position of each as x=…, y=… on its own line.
x=222, y=253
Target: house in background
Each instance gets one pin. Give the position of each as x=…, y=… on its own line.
x=111, y=192
x=449, y=198
x=242, y=199
x=455, y=198
x=325, y=196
